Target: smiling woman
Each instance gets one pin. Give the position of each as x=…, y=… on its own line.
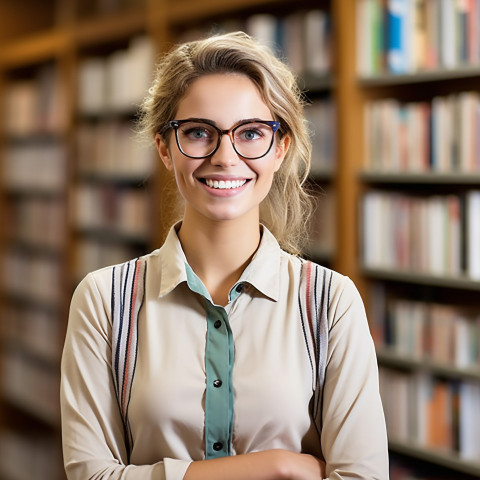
x=240, y=360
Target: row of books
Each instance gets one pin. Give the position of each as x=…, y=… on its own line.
x=303, y=38
x=437, y=136
x=111, y=149
x=34, y=167
x=92, y=254
x=35, y=278
x=404, y=36
x=35, y=330
x=23, y=457
x=437, y=235
x=36, y=221
x=444, y=334
x=30, y=385
x=432, y=412
x=35, y=105
x=116, y=83
x=113, y=208
x=321, y=117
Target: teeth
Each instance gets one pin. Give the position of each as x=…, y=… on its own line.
x=225, y=184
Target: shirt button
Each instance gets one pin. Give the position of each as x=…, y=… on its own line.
x=239, y=288
x=217, y=446
x=217, y=383
x=217, y=324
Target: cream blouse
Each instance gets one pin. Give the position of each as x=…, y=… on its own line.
x=214, y=381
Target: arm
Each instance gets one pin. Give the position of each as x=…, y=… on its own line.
x=266, y=465
x=92, y=428
x=354, y=440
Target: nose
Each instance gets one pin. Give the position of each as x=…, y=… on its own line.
x=225, y=154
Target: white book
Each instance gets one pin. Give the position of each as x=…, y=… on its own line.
x=422, y=386
x=92, y=88
x=469, y=418
x=436, y=235
x=473, y=234
x=141, y=55
x=448, y=36
x=263, y=27
x=294, y=41
x=461, y=332
x=317, y=42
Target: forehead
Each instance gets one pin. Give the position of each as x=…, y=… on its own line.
x=225, y=98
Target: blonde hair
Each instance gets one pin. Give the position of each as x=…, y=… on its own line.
x=287, y=207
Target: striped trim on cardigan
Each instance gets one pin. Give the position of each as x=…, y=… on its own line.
x=314, y=301
x=128, y=283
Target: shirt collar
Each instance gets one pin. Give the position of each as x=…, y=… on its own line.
x=262, y=272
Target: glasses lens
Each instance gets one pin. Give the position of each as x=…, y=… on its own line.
x=197, y=139
x=253, y=140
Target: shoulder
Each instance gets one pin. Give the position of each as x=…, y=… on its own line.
x=318, y=275
x=320, y=285
x=99, y=284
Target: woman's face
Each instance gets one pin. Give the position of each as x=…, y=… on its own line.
x=223, y=186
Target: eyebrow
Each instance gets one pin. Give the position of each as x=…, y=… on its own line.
x=213, y=123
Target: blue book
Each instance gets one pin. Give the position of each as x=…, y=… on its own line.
x=396, y=42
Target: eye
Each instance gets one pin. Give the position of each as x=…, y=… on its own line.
x=197, y=132
x=250, y=132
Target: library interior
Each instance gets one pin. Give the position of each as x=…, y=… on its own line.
x=393, y=103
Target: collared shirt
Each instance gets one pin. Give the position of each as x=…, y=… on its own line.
x=213, y=380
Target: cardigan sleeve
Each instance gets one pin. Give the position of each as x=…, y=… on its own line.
x=92, y=428
x=354, y=439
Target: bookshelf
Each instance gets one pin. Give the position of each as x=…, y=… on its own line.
x=78, y=38
x=34, y=191
x=112, y=194
x=418, y=67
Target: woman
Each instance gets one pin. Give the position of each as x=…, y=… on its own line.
x=224, y=382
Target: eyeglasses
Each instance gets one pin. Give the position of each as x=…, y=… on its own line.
x=251, y=139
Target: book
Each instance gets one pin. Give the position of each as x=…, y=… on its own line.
x=473, y=234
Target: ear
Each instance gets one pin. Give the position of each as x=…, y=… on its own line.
x=163, y=152
x=281, y=150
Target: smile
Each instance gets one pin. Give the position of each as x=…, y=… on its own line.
x=225, y=184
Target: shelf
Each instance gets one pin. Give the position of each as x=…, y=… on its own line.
x=463, y=283
x=183, y=11
x=100, y=30
x=30, y=407
x=444, y=458
x=35, y=49
x=112, y=236
x=37, y=248
x=389, y=79
x=129, y=180
x=431, y=178
x=33, y=191
x=315, y=84
x=321, y=175
x=389, y=358
x=30, y=301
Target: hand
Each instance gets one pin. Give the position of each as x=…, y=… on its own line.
x=299, y=466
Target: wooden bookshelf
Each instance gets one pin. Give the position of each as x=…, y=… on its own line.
x=390, y=287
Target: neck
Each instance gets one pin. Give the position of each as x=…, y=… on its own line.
x=219, y=251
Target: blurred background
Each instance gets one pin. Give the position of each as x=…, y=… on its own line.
x=393, y=106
